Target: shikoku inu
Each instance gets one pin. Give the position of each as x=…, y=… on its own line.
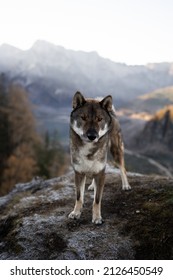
x=93, y=129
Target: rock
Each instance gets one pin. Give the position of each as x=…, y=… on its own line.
x=155, y=141
x=158, y=132
x=137, y=224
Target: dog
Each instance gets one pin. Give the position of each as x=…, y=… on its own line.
x=93, y=129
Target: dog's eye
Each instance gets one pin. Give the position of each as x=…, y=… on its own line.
x=99, y=119
x=83, y=118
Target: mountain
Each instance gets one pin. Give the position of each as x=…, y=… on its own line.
x=52, y=74
x=159, y=129
x=156, y=139
x=152, y=101
x=147, y=126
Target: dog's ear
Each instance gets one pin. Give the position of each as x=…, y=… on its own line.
x=106, y=103
x=78, y=100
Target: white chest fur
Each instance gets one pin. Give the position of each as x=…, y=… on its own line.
x=93, y=164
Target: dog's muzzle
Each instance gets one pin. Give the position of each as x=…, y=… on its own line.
x=92, y=134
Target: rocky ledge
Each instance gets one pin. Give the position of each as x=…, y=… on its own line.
x=137, y=224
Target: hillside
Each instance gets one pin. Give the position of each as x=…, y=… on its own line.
x=153, y=101
x=156, y=139
x=165, y=114
x=137, y=224
x=159, y=129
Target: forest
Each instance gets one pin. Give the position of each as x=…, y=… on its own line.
x=24, y=152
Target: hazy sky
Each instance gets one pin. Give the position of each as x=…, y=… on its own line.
x=130, y=31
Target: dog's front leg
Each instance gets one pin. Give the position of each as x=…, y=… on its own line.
x=80, y=188
x=99, y=180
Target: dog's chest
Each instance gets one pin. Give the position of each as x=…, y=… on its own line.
x=89, y=159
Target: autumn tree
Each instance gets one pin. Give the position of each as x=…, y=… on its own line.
x=4, y=137
x=18, y=138
x=23, y=153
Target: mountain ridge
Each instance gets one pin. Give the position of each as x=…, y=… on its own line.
x=152, y=101
x=49, y=69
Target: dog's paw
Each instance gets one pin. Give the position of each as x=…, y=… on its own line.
x=74, y=215
x=126, y=187
x=91, y=187
x=97, y=221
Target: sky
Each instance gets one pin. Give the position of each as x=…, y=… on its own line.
x=128, y=31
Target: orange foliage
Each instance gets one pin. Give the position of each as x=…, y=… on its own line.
x=23, y=153
x=19, y=164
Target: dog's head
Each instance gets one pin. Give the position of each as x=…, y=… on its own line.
x=91, y=118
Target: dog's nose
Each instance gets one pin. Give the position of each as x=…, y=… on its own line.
x=92, y=134
x=91, y=137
